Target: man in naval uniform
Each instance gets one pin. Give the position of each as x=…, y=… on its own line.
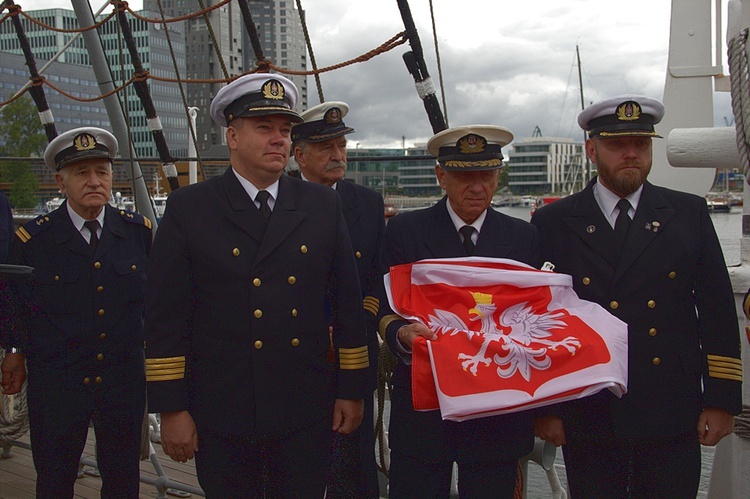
x=650, y=256
x=249, y=270
x=423, y=446
x=79, y=323
x=319, y=146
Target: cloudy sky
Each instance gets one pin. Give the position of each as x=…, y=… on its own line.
x=510, y=63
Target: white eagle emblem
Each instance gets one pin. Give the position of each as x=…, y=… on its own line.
x=525, y=336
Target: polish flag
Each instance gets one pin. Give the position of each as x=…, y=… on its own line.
x=509, y=337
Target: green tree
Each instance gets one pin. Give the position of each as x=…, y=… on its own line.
x=22, y=136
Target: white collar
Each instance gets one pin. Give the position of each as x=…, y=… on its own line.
x=477, y=224
x=252, y=191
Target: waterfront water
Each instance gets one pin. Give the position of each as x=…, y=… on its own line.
x=729, y=229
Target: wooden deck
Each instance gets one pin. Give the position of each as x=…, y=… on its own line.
x=18, y=477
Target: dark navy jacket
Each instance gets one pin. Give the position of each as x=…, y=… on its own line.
x=672, y=288
x=236, y=322
x=365, y=220
x=80, y=319
x=430, y=233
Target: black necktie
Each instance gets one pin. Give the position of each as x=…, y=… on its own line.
x=622, y=224
x=467, y=231
x=262, y=198
x=93, y=227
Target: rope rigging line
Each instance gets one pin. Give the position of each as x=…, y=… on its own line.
x=213, y=39
x=14, y=421
x=439, y=65
x=39, y=23
x=191, y=15
x=252, y=32
x=124, y=103
x=740, y=93
x=415, y=63
x=141, y=89
x=386, y=364
x=193, y=135
x=308, y=42
x=37, y=91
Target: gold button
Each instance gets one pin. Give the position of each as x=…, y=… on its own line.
x=98, y=379
x=256, y=282
x=258, y=313
x=57, y=277
x=133, y=267
x=258, y=344
x=295, y=342
x=358, y=254
x=672, y=274
x=102, y=336
x=613, y=305
x=586, y=281
x=99, y=289
x=86, y=381
x=100, y=356
x=100, y=312
x=97, y=265
x=294, y=312
x=236, y=252
x=291, y=279
x=303, y=248
x=652, y=331
x=656, y=361
x=651, y=304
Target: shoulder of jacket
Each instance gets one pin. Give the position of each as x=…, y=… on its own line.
x=135, y=218
x=33, y=228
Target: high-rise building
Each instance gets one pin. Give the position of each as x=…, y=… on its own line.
x=72, y=73
x=282, y=39
x=540, y=165
x=208, y=57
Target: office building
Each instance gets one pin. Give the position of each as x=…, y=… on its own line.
x=543, y=165
x=72, y=73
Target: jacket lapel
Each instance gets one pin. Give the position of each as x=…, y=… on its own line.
x=587, y=221
x=493, y=239
x=445, y=241
x=113, y=229
x=352, y=212
x=284, y=219
x=66, y=233
x=652, y=216
x=243, y=213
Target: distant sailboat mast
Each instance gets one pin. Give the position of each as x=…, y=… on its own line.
x=587, y=169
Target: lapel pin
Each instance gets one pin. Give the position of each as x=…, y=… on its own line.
x=590, y=229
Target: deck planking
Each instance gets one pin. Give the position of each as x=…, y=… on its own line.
x=18, y=476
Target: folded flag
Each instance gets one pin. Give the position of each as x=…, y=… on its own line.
x=509, y=337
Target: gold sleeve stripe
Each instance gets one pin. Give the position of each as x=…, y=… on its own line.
x=165, y=369
x=732, y=377
x=354, y=358
x=724, y=365
x=726, y=370
x=384, y=322
x=714, y=359
x=165, y=360
x=371, y=304
x=344, y=352
x=23, y=235
x=147, y=223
